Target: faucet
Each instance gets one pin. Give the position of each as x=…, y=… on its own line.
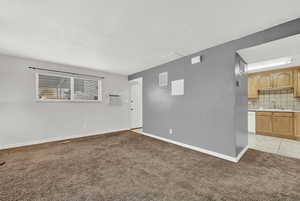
x=274, y=104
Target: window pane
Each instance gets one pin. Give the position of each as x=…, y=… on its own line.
x=85, y=89
x=54, y=87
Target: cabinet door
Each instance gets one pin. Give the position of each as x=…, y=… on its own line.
x=297, y=124
x=297, y=83
x=263, y=124
x=264, y=81
x=252, y=86
x=282, y=79
x=283, y=126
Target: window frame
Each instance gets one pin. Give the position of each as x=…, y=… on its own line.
x=71, y=87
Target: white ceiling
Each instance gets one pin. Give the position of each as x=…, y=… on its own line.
x=128, y=36
x=287, y=47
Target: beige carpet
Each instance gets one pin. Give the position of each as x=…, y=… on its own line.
x=131, y=167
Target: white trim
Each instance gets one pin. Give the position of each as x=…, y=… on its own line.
x=53, y=139
x=241, y=154
x=212, y=153
x=138, y=81
x=68, y=101
x=37, y=87
x=72, y=89
x=100, y=98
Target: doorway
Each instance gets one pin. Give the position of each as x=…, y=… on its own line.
x=136, y=103
x=273, y=71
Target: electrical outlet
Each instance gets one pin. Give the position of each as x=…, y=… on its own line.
x=170, y=131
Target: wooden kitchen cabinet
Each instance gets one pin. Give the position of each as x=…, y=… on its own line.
x=282, y=79
x=252, y=86
x=278, y=124
x=297, y=82
x=283, y=125
x=297, y=124
x=264, y=81
x=275, y=79
x=263, y=122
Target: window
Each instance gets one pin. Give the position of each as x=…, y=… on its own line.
x=85, y=89
x=54, y=88
x=60, y=88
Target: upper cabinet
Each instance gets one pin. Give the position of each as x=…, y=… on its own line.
x=276, y=79
x=264, y=81
x=297, y=82
x=282, y=79
x=252, y=86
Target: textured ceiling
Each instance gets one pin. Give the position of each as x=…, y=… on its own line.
x=130, y=35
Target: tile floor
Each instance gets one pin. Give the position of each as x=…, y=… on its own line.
x=281, y=146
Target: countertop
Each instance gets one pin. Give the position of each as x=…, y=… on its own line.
x=273, y=110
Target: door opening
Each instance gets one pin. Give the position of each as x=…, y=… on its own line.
x=273, y=72
x=136, y=103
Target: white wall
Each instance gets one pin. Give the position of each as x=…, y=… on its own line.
x=24, y=121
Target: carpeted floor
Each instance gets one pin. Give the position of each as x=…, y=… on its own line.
x=131, y=167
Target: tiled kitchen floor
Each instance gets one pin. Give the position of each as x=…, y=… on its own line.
x=281, y=146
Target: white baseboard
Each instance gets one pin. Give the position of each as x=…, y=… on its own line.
x=222, y=156
x=241, y=154
x=57, y=139
x=212, y=153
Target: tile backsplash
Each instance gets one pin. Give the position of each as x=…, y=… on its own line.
x=281, y=99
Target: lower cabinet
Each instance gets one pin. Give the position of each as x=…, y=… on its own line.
x=297, y=124
x=263, y=122
x=283, y=126
x=278, y=124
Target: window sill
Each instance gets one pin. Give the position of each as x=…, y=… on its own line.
x=68, y=101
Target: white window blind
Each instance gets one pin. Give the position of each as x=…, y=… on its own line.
x=85, y=89
x=55, y=87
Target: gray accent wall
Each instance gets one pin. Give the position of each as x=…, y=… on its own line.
x=241, y=100
x=213, y=112
x=24, y=121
